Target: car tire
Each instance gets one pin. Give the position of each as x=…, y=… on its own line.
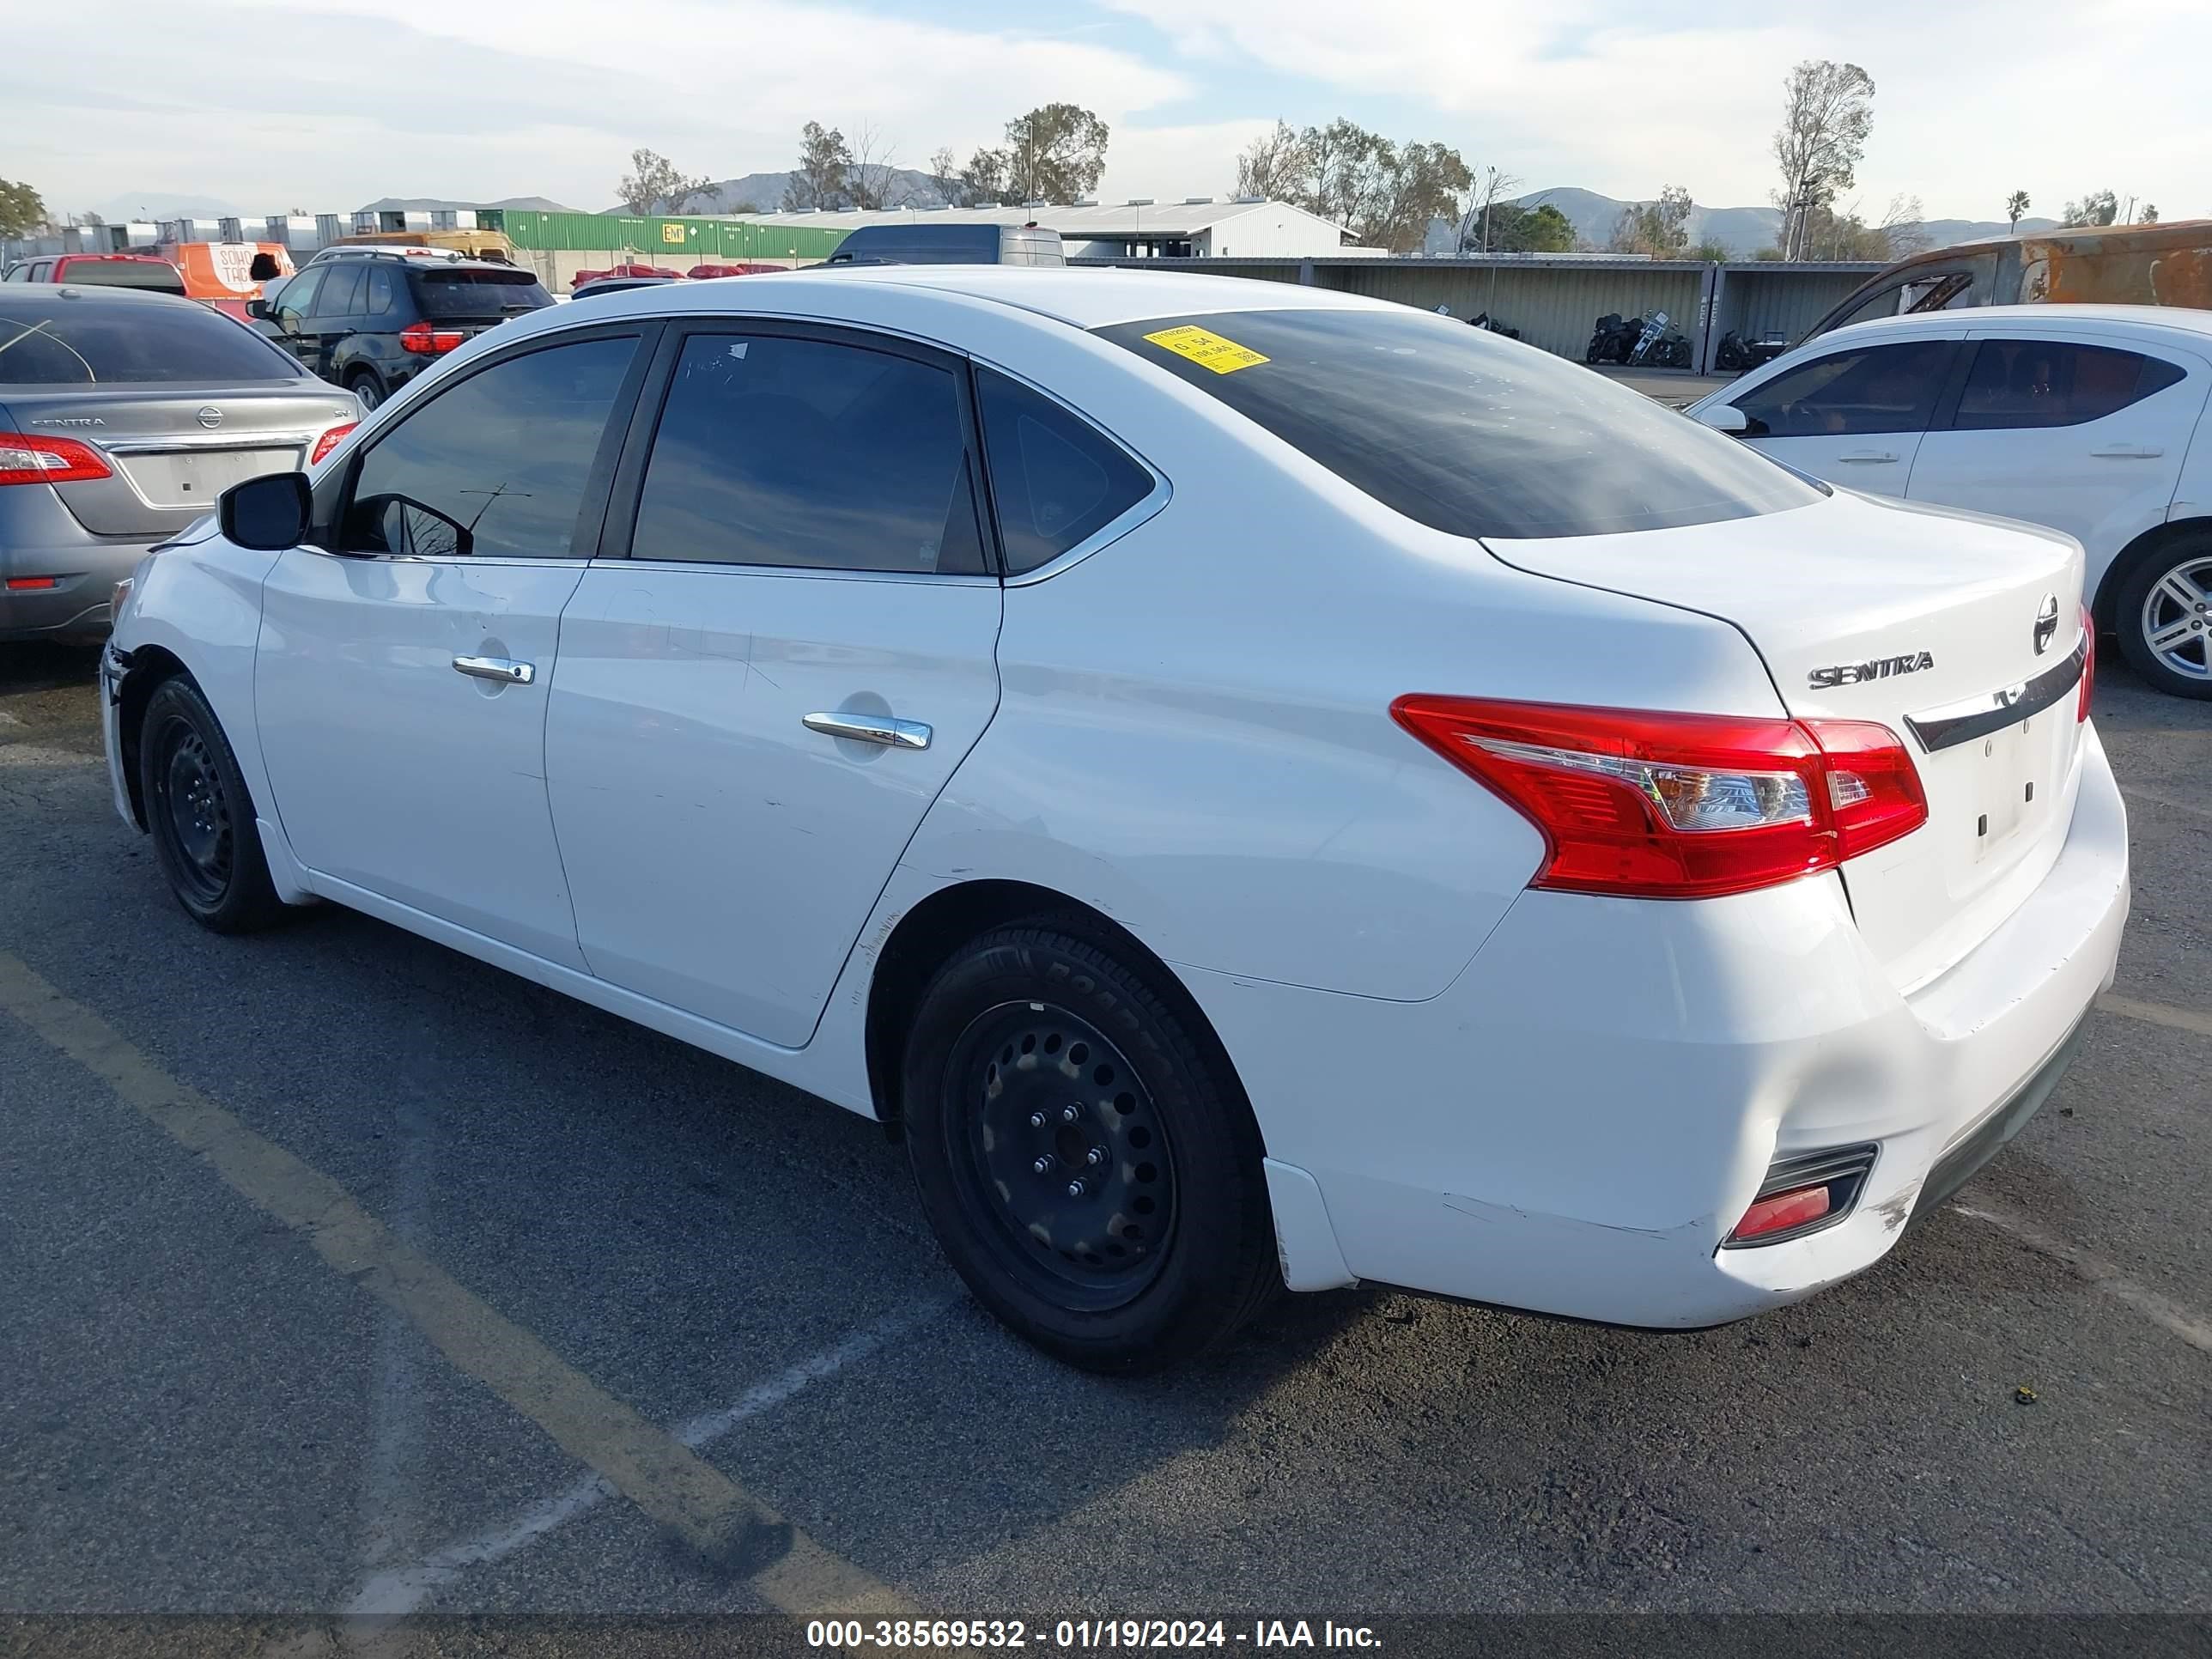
x=2166, y=587
x=199, y=814
x=365, y=386
x=1042, y=1058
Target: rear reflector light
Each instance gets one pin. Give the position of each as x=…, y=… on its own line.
x=2088, y=665
x=1803, y=1193
x=25, y=458
x=21, y=584
x=426, y=342
x=1661, y=805
x=329, y=441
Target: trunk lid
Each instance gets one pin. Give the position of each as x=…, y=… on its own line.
x=173, y=450
x=1937, y=624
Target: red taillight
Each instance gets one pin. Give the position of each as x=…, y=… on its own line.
x=2088, y=665
x=26, y=459
x=329, y=441
x=1782, y=1211
x=23, y=584
x=426, y=342
x=1659, y=805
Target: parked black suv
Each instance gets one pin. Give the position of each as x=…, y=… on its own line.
x=372, y=322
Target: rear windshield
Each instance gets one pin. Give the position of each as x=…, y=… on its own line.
x=484, y=293
x=1463, y=430
x=116, y=341
x=156, y=274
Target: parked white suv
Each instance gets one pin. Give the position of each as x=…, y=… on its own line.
x=2087, y=418
x=1257, y=785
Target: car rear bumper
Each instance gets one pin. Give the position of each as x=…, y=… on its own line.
x=84, y=575
x=1575, y=1124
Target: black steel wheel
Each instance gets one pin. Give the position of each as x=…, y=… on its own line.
x=199, y=814
x=1089, y=1165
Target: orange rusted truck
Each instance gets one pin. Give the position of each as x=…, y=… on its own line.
x=2111, y=265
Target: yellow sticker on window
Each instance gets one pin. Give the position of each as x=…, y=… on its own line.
x=1206, y=348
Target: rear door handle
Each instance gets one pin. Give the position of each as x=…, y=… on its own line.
x=505, y=670
x=2128, y=452
x=1868, y=455
x=870, y=728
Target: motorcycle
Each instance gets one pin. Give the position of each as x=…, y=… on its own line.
x=1486, y=320
x=1611, y=339
x=1651, y=338
x=1731, y=356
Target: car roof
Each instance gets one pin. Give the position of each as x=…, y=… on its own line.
x=1092, y=297
x=2098, y=318
x=19, y=297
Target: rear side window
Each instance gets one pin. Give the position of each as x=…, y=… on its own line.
x=1883, y=388
x=381, y=296
x=1461, y=430
x=158, y=275
x=777, y=451
x=1056, y=480
x=116, y=342
x=496, y=467
x=2041, y=383
x=341, y=294
x=483, y=295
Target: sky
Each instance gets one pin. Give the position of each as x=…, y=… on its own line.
x=323, y=105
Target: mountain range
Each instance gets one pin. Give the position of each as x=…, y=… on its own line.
x=1743, y=230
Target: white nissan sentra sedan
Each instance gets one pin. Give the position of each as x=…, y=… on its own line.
x=1255, y=785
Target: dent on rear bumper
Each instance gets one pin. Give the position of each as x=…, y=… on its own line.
x=1575, y=1125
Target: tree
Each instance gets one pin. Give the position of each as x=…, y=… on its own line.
x=1275, y=165
x=1347, y=167
x=22, y=209
x=1477, y=222
x=1056, y=153
x=944, y=175
x=1658, y=228
x=655, y=184
x=1517, y=229
x=984, y=178
x=1827, y=112
x=1903, y=227
x=1423, y=182
x=1711, y=252
x=818, y=181
x=2015, y=204
x=872, y=173
x=2098, y=207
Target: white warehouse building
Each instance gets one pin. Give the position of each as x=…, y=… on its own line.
x=1196, y=228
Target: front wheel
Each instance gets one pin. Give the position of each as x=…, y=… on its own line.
x=2163, y=612
x=366, y=387
x=199, y=815
x=1089, y=1170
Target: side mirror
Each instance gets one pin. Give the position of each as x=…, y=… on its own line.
x=269, y=513
x=1726, y=417
x=258, y=308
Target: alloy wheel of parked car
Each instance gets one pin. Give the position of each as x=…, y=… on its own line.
x=1087, y=1170
x=2165, y=616
x=200, y=815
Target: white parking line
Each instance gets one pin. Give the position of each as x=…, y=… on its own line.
x=403, y=1590
x=2094, y=1270
x=2157, y=1013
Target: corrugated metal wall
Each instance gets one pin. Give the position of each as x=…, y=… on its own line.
x=665, y=239
x=1754, y=300
x=1553, y=306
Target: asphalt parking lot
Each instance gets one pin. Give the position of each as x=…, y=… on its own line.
x=334, y=1264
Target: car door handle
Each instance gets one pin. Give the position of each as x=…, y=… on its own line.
x=1868, y=455
x=505, y=670
x=2128, y=452
x=870, y=728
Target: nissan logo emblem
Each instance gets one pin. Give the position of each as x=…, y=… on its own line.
x=209, y=417
x=2046, y=623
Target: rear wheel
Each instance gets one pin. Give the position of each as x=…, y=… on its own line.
x=1089, y=1170
x=2163, y=612
x=199, y=815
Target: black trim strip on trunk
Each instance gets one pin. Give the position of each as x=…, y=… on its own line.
x=1977, y=717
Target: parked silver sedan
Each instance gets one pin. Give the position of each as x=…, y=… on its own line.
x=123, y=415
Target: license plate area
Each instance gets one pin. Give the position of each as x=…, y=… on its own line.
x=2015, y=773
x=192, y=478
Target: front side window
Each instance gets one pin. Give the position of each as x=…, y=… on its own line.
x=1057, y=482
x=2042, y=383
x=497, y=466
x=774, y=450
x=1881, y=388
x=1463, y=430
x=295, y=298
